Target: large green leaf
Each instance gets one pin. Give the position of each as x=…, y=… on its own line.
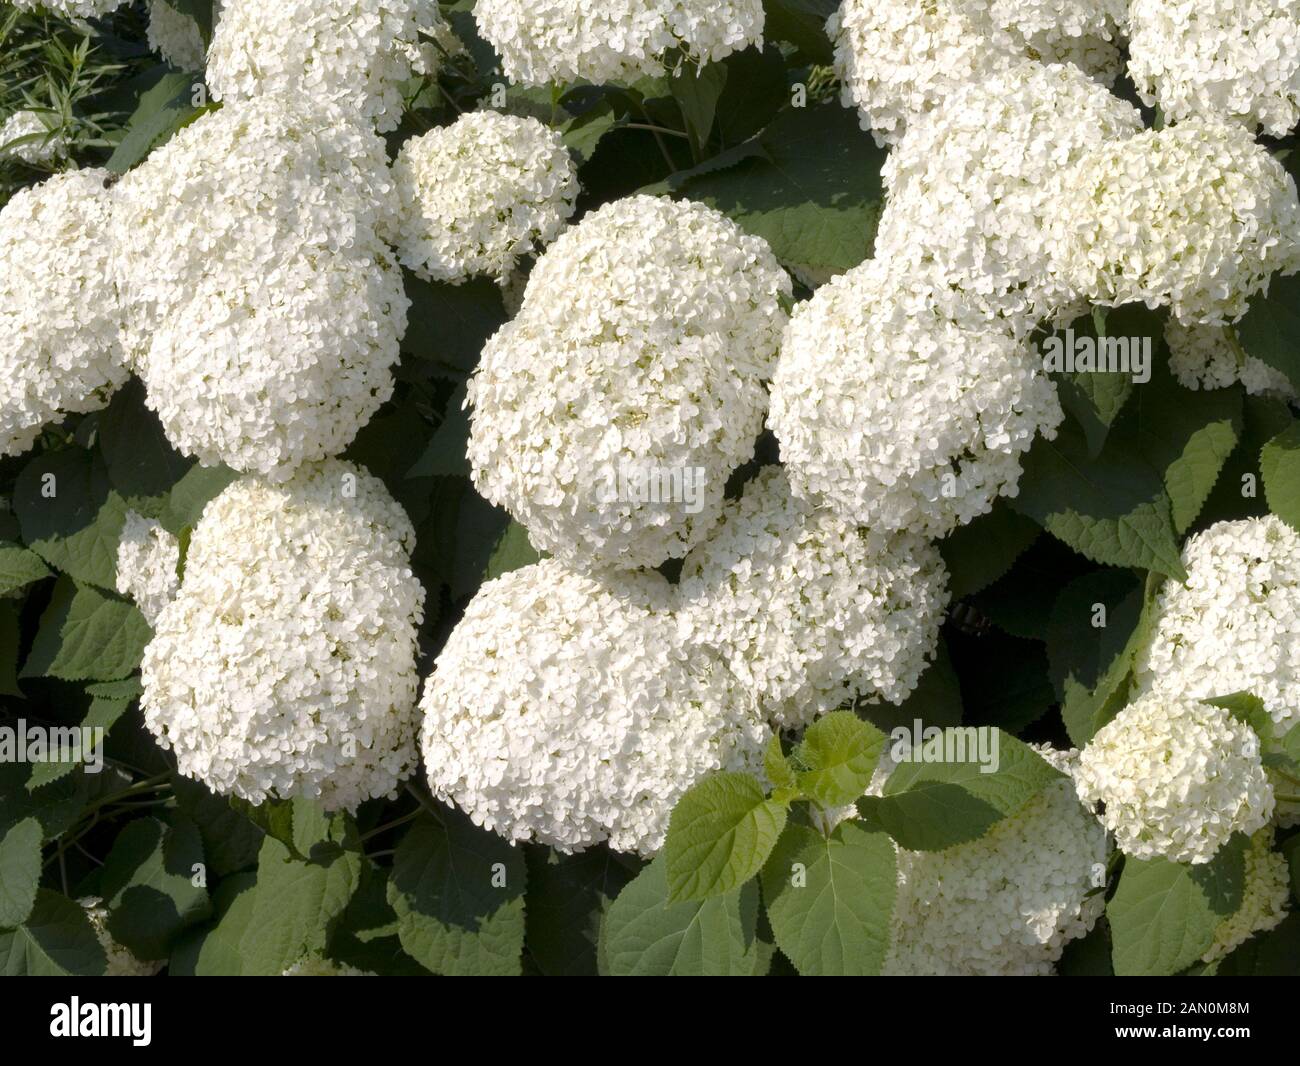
x=20, y=871
x=56, y=940
x=946, y=795
x=839, y=753
x=1164, y=914
x=148, y=884
x=830, y=899
x=19, y=567
x=1280, y=465
x=1112, y=509
x=1271, y=329
x=720, y=834
x=645, y=935
x=458, y=892
x=981, y=552
x=162, y=111
x=568, y=896
x=86, y=635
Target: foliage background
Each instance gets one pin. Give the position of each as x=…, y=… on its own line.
x=404, y=887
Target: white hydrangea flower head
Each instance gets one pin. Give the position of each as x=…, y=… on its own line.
x=898, y=59
x=242, y=189
x=1238, y=59
x=1177, y=776
x=1235, y=625
x=176, y=36
x=353, y=53
x=480, y=193
x=807, y=610
x=541, y=42
x=60, y=324
x=267, y=373
x=121, y=962
x=286, y=665
x=35, y=153
x=1083, y=32
x=972, y=187
x=75, y=8
x=1007, y=903
x=608, y=416
x=650, y=268
x=1265, y=900
x=148, y=561
x=1196, y=217
x=1202, y=357
x=897, y=416
x=319, y=966
x=563, y=711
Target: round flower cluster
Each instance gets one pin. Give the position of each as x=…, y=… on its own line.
x=1007, y=903
x=808, y=611
x=1203, y=357
x=176, y=36
x=1239, y=59
x=896, y=415
x=1265, y=898
x=266, y=310
x=121, y=962
x=898, y=59
x=1196, y=217
x=541, y=42
x=1234, y=626
x=352, y=53
x=60, y=349
x=562, y=710
x=479, y=194
x=22, y=125
x=1083, y=32
x=286, y=664
x=319, y=966
x=972, y=186
x=148, y=563
x=1178, y=777
x=608, y=415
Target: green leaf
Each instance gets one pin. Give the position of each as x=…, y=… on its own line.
x=70, y=516
x=801, y=23
x=1164, y=914
x=19, y=567
x=935, y=802
x=981, y=552
x=10, y=640
x=162, y=111
x=840, y=753
x=295, y=905
x=20, y=871
x=697, y=91
x=1185, y=434
x=56, y=940
x=231, y=841
x=1095, y=398
x=213, y=950
x=777, y=766
x=1275, y=953
x=1271, y=329
x=86, y=635
x=1113, y=509
x=148, y=884
x=103, y=714
x=513, y=551
x=458, y=892
x=646, y=935
x=1280, y=465
x=141, y=462
x=191, y=494
x=200, y=11
x=830, y=899
x=809, y=185
x=720, y=834
x=445, y=454
x=449, y=324
x=1248, y=709
x=568, y=896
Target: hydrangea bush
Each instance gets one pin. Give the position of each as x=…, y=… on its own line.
x=696, y=487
